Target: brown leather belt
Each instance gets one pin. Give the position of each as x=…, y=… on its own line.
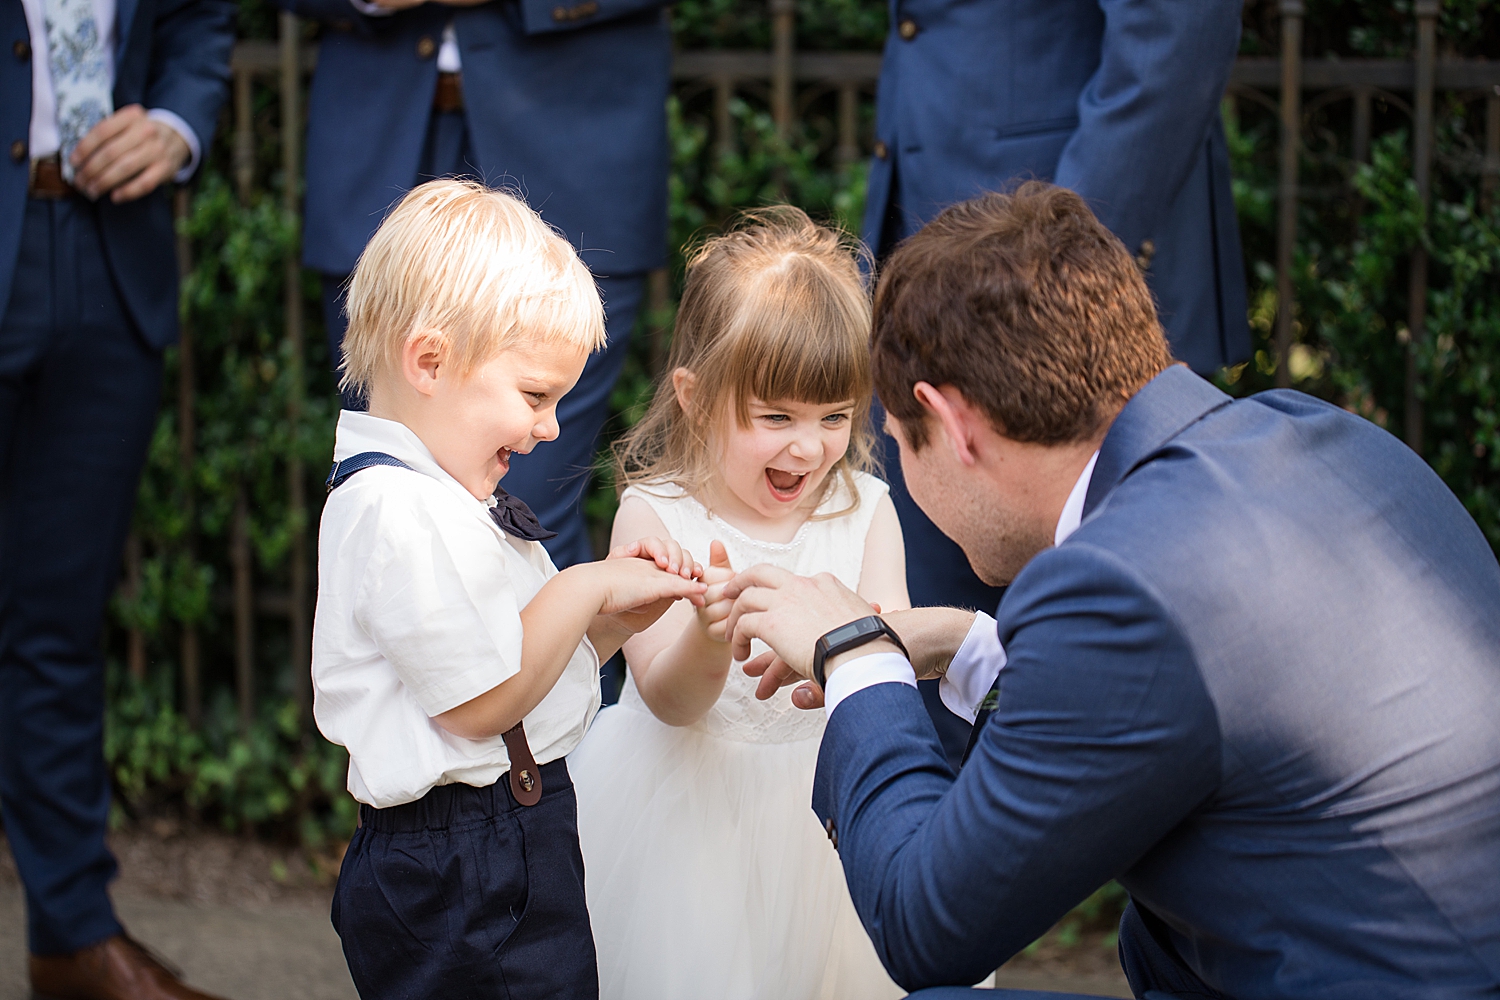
x=449, y=95
x=525, y=776
x=46, y=179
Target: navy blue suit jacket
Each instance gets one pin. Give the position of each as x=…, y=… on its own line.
x=571, y=112
x=1115, y=99
x=1258, y=686
x=171, y=54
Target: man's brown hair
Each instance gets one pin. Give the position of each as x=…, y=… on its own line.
x=1027, y=305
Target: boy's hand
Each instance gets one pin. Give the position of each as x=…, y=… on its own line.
x=715, y=610
x=666, y=553
x=634, y=593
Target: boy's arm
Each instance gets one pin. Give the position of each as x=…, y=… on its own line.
x=553, y=623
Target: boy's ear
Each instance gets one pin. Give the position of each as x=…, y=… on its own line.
x=683, y=384
x=424, y=358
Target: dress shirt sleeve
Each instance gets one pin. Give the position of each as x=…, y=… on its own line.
x=973, y=670
x=863, y=671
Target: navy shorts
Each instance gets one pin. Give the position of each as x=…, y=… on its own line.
x=465, y=893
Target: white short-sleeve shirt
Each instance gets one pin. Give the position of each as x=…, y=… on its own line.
x=419, y=610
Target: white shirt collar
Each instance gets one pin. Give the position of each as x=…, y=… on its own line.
x=360, y=432
x=1072, y=512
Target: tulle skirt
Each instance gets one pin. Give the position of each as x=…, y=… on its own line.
x=707, y=873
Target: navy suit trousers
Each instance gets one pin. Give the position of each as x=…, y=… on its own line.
x=467, y=894
x=553, y=478
x=79, y=390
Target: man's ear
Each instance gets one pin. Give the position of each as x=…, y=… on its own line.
x=954, y=416
x=683, y=384
x=424, y=358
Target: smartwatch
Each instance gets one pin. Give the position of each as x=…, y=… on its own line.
x=847, y=637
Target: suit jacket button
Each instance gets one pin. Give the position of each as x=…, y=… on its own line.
x=833, y=833
x=22, y=49
x=18, y=150
x=426, y=47
x=908, y=29
x=882, y=151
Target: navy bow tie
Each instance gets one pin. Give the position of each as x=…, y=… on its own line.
x=515, y=518
x=510, y=513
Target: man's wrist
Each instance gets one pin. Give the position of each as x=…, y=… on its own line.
x=873, y=646
x=932, y=636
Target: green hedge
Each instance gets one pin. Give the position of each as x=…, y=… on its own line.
x=1356, y=228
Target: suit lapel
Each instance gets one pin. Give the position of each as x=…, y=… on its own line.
x=1164, y=408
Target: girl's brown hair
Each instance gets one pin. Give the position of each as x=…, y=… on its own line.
x=775, y=310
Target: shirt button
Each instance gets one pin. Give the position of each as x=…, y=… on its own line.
x=426, y=47
x=22, y=50
x=18, y=150
x=908, y=29
x=833, y=833
x=882, y=151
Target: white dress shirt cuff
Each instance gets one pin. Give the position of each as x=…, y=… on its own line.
x=182, y=128
x=865, y=671
x=973, y=670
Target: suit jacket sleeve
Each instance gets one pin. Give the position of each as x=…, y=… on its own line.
x=1144, y=115
x=1104, y=739
x=537, y=16
x=192, y=41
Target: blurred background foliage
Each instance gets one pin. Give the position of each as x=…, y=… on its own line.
x=276, y=776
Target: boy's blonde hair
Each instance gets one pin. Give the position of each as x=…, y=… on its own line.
x=475, y=263
x=775, y=310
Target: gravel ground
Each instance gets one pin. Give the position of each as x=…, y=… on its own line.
x=249, y=921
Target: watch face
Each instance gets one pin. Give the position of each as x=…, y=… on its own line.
x=845, y=633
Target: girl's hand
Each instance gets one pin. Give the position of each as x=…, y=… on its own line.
x=666, y=553
x=715, y=610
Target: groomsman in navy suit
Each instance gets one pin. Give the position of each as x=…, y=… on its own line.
x=102, y=102
x=564, y=100
x=1117, y=101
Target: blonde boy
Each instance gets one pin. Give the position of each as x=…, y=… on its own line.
x=450, y=657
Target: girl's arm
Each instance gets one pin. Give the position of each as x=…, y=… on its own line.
x=678, y=667
x=882, y=577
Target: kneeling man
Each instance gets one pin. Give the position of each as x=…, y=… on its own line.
x=1248, y=663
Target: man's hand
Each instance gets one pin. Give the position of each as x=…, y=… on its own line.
x=932, y=637
x=127, y=156
x=789, y=613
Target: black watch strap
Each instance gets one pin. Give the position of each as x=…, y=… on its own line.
x=847, y=637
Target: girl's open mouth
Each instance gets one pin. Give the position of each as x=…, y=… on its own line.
x=785, y=485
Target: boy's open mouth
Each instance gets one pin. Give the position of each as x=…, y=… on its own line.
x=504, y=456
x=785, y=485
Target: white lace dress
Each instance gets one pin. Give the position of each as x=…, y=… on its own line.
x=707, y=872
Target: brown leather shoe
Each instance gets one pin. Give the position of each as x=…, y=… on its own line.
x=116, y=968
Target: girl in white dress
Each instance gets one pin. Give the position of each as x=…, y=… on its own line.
x=706, y=871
